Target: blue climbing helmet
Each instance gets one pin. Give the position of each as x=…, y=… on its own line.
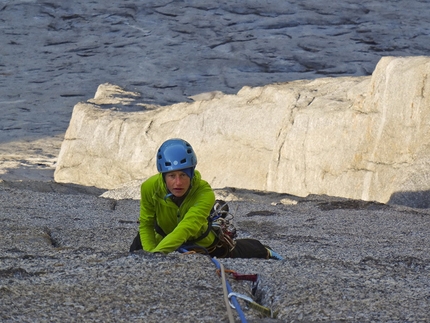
x=176, y=154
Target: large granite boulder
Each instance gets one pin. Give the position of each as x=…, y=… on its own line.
x=357, y=137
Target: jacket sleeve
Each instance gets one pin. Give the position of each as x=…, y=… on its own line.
x=147, y=215
x=193, y=223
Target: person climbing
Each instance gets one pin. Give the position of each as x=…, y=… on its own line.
x=178, y=210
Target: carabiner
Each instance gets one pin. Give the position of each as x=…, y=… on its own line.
x=241, y=296
x=252, y=304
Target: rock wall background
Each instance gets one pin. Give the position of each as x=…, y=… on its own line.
x=63, y=250
x=356, y=137
x=56, y=53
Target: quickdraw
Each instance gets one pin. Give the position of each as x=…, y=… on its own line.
x=221, y=221
x=233, y=297
x=254, y=278
x=252, y=304
x=249, y=277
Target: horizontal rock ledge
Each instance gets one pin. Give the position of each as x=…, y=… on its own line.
x=364, y=138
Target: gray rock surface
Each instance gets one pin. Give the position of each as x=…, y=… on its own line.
x=63, y=250
x=55, y=54
x=64, y=258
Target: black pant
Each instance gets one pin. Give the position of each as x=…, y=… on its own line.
x=136, y=244
x=249, y=248
x=245, y=248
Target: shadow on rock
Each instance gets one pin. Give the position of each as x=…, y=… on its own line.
x=417, y=199
x=53, y=187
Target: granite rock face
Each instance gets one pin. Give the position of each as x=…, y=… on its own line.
x=64, y=258
x=356, y=137
x=377, y=148
x=55, y=54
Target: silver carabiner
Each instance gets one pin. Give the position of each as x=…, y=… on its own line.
x=241, y=296
x=252, y=304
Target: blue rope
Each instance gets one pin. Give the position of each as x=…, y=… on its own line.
x=233, y=298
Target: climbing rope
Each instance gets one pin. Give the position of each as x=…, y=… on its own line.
x=231, y=296
x=231, y=300
x=255, y=279
x=225, y=291
x=221, y=221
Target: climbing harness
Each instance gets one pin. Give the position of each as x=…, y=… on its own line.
x=225, y=291
x=219, y=222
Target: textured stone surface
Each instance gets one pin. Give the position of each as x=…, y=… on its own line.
x=375, y=149
x=63, y=257
x=355, y=137
x=56, y=53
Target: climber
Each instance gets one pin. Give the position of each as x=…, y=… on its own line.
x=175, y=207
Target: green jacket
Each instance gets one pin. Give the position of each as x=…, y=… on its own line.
x=180, y=224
